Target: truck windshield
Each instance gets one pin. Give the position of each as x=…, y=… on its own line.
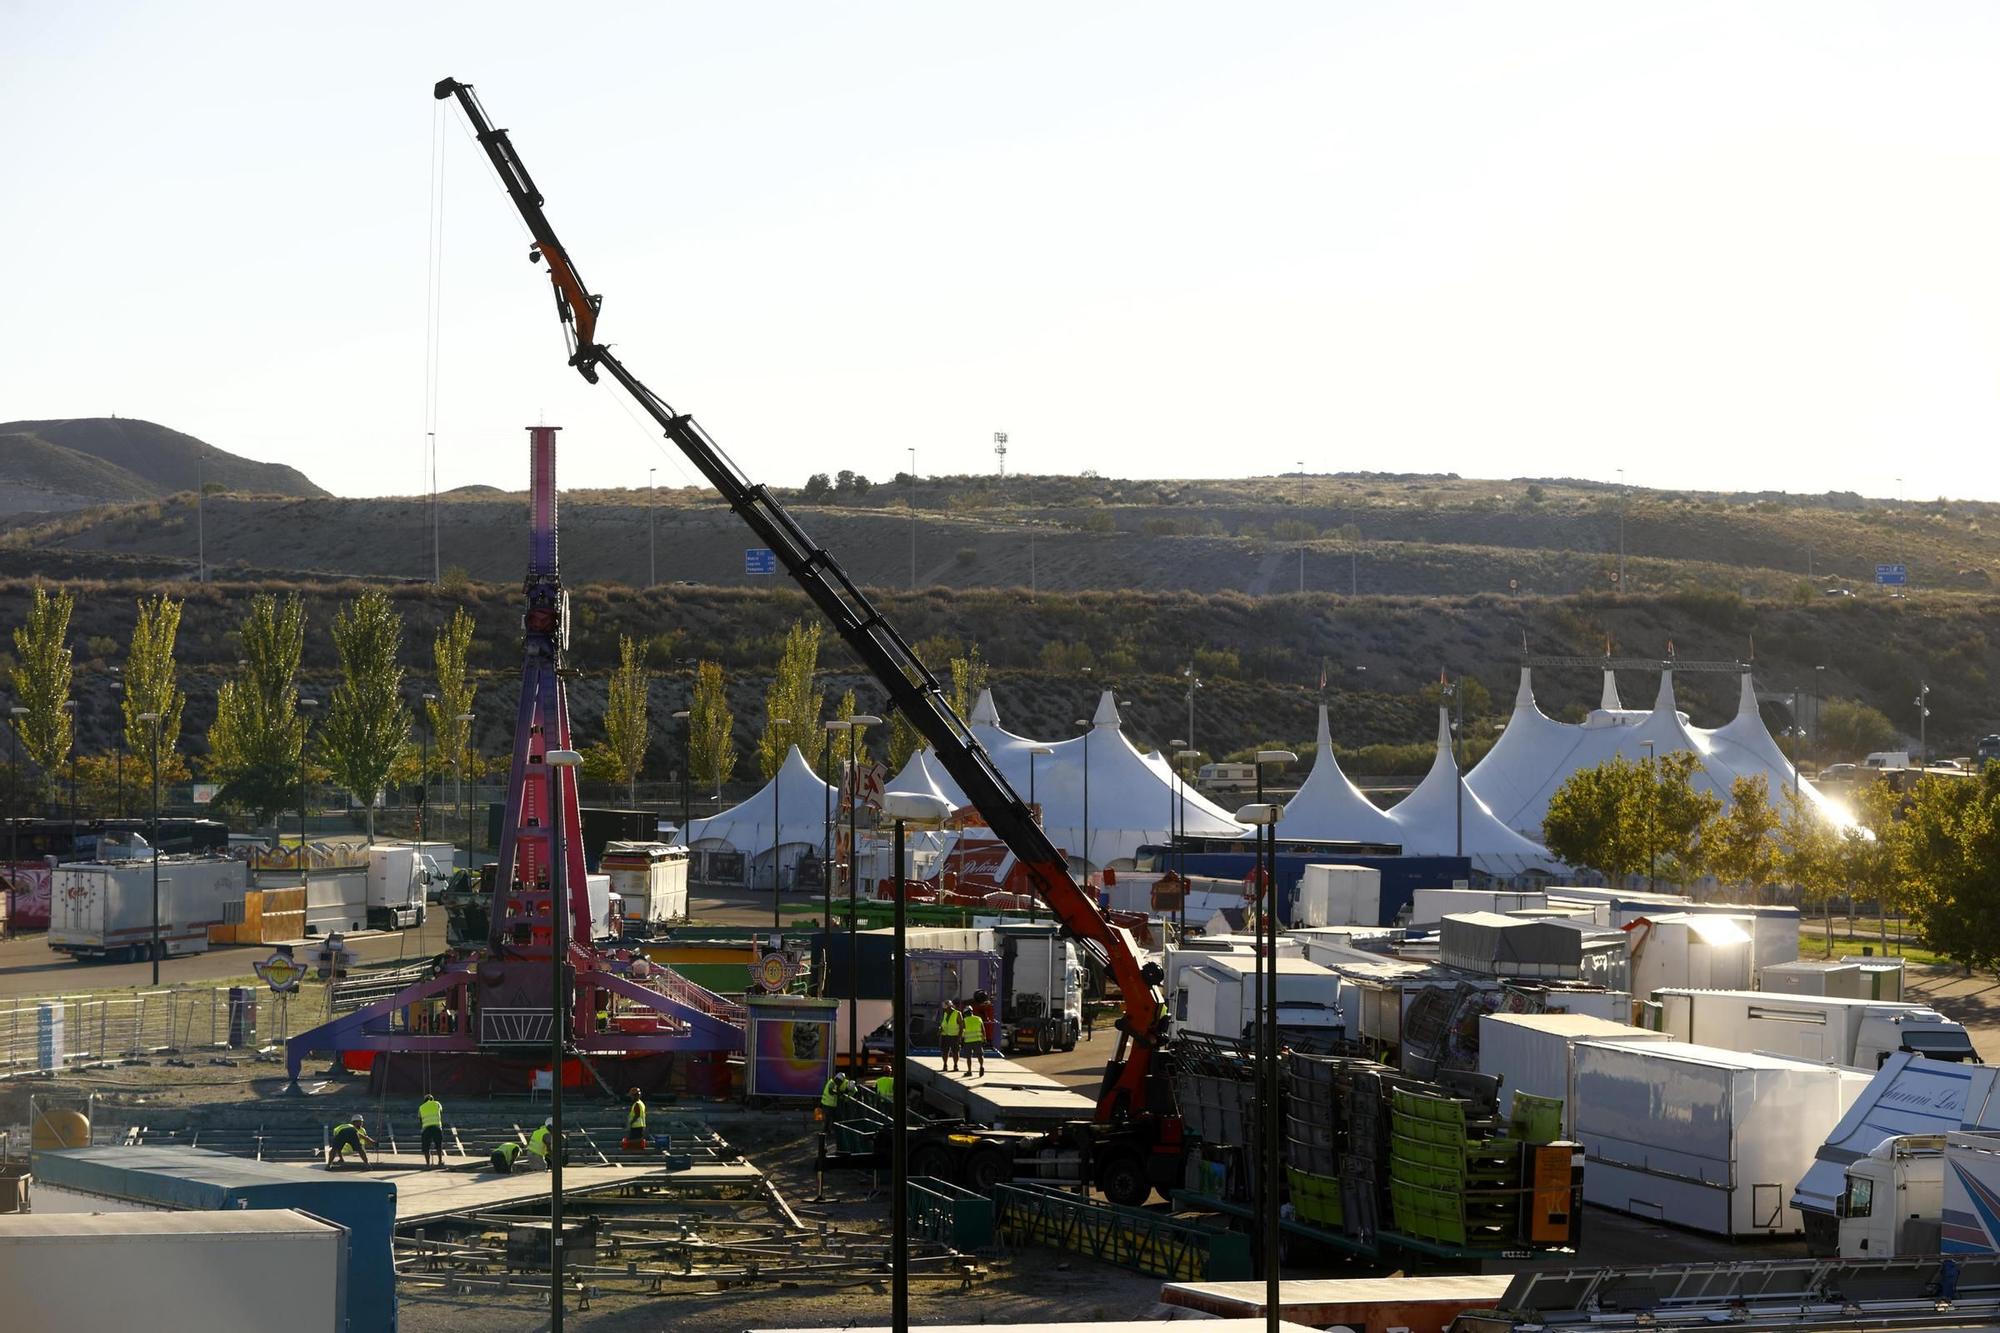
x=1940, y=1046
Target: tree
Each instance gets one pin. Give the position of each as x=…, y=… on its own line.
x=1869, y=856
x=1813, y=856
x=1586, y=823
x=1742, y=847
x=711, y=744
x=969, y=674
x=1681, y=818
x=846, y=708
x=42, y=679
x=102, y=778
x=626, y=732
x=450, y=651
x=1947, y=848
x=818, y=487
x=793, y=696
x=1850, y=727
x=367, y=722
x=150, y=685
x=253, y=744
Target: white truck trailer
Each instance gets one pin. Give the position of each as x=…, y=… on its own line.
x=1041, y=988
x=397, y=881
x=178, y=1272
x=1855, y=978
x=1535, y=1053
x=1336, y=895
x=104, y=909
x=651, y=879
x=1825, y=1029
x=1700, y=1137
x=1222, y=998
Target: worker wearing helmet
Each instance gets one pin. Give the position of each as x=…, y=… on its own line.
x=975, y=1040
x=351, y=1134
x=635, y=1123
x=951, y=1031
x=430, y=1115
x=540, y=1142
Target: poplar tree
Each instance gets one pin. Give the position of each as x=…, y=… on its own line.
x=150, y=678
x=625, y=725
x=367, y=722
x=253, y=744
x=794, y=695
x=711, y=743
x=42, y=680
x=455, y=690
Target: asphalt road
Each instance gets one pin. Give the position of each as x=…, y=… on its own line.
x=29, y=967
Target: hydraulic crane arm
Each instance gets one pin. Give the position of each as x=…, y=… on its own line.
x=910, y=685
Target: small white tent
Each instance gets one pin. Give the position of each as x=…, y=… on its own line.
x=1329, y=806
x=775, y=827
x=1442, y=817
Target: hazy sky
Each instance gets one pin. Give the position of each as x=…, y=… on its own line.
x=1741, y=244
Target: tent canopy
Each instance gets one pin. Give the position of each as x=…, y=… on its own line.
x=1443, y=815
x=795, y=795
x=1329, y=806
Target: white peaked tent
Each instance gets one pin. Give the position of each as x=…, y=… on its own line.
x=1331, y=807
x=796, y=796
x=1536, y=754
x=924, y=776
x=1442, y=815
x=1131, y=797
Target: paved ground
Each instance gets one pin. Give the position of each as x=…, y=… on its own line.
x=29, y=967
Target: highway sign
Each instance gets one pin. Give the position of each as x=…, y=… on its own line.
x=1892, y=576
x=759, y=560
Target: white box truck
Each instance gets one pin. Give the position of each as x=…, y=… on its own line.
x=651, y=879
x=1221, y=998
x=1534, y=1053
x=1041, y=988
x=1824, y=1029
x=104, y=909
x=1429, y=907
x=1690, y=949
x=398, y=877
x=1854, y=978
x=1336, y=895
x=174, y=1272
x=1700, y=1137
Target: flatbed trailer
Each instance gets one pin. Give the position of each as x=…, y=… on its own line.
x=1006, y=1096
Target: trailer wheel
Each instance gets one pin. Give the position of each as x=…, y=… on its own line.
x=988, y=1168
x=931, y=1159
x=1124, y=1181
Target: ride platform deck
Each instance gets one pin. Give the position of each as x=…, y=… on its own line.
x=1006, y=1096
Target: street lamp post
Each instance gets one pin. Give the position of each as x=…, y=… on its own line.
x=1176, y=821
x=305, y=733
x=1085, y=857
x=1183, y=758
x=154, y=951
x=828, y=729
x=558, y=761
x=857, y=722
x=1923, y=725
x=778, y=824
x=1262, y=819
x=424, y=771
x=926, y=811
x=118, y=689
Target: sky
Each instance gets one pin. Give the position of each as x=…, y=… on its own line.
x=1737, y=245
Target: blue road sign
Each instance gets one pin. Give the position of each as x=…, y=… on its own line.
x=1892, y=576
x=759, y=560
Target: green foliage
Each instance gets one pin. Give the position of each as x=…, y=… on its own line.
x=1849, y=727
x=857, y=737
x=818, y=487
x=253, y=744
x=1623, y=819
x=794, y=697
x=42, y=678
x=450, y=651
x=1293, y=530
x=367, y=722
x=711, y=746
x=1099, y=521
x=626, y=732
x=1947, y=849
x=1812, y=855
x=969, y=675
x=1742, y=846
x=1060, y=658
x=904, y=741
x=150, y=672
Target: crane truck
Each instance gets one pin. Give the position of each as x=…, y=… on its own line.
x=1134, y=1143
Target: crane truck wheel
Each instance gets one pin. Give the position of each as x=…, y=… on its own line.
x=1124, y=1181
x=932, y=1159
x=988, y=1168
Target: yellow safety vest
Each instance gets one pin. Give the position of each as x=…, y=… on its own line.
x=829, y=1096
x=430, y=1113
x=885, y=1088
x=975, y=1028
x=635, y=1118
x=538, y=1142
x=952, y=1024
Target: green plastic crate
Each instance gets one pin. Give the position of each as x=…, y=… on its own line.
x=1315, y=1199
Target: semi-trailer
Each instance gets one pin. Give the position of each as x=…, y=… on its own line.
x=1826, y=1029
x=105, y=909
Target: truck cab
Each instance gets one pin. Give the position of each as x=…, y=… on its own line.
x=1925, y=1032
x=1893, y=1199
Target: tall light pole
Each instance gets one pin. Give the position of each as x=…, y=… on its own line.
x=1182, y=759
x=778, y=822
x=913, y=524
x=118, y=689
x=857, y=722
x=558, y=761
x=652, y=551
x=1176, y=816
x=1262, y=819
x=827, y=730
x=465, y=788
x=926, y=811
x=1923, y=702
x=424, y=772
x=1193, y=684
x=305, y=733
x=1455, y=692
x=154, y=951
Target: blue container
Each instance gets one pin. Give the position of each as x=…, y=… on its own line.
x=194, y=1178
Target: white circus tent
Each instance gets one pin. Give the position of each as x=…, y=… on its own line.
x=774, y=828
x=1330, y=807
x=1535, y=755
x=1443, y=817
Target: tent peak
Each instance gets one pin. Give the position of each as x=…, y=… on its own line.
x=1524, y=696
x=1746, y=700
x=1610, y=702
x=1107, y=712
x=1664, y=703
x=984, y=711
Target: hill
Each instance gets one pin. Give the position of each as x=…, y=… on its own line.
x=76, y=462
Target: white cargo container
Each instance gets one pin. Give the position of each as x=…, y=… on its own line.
x=104, y=909
x=1222, y=997
x=1690, y=949
x=1853, y=978
x=1429, y=907
x=1698, y=1136
x=651, y=878
x=1824, y=1029
x=1336, y=895
x=397, y=879
x=1533, y=1053
x=183, y=1272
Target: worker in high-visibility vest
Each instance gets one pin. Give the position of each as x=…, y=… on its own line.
x=430, y=1115
x=539, y=1143
x=352, y=1134
x=951, y=1033
x=635, y=1122
x=836, y=1088
x=503, y=1157
x=975, y=1040
x=885, y=1088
